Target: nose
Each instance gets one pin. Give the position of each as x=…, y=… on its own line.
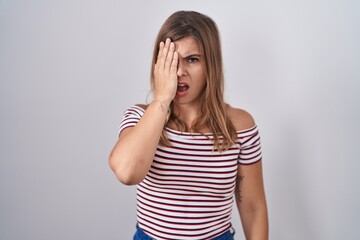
x=181, y=70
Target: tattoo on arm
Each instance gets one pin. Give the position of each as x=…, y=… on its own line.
x=237, y=189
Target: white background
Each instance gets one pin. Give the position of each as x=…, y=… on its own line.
x=68, y=70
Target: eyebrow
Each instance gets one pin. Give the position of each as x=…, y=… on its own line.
x=191, y=55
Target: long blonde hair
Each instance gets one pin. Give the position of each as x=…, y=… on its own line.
x=213, y=108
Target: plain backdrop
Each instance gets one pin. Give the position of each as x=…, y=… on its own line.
x=69, y=69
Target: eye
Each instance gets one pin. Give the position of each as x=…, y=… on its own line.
x=192, y=59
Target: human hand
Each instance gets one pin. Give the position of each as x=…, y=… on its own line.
x=165, y=73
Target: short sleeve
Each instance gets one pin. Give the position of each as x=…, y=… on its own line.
x=131, y=117
x=250, y=146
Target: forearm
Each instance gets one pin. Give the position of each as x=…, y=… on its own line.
x=255, y=223
x=133, y=154
x=251, y=201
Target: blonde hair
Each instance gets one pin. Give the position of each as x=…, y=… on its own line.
x=213, y=108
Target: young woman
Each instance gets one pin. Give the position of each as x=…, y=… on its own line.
x=188, y=151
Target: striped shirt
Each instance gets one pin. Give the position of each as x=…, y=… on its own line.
x=188, y=191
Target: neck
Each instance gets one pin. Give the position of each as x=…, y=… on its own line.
x=187, y=113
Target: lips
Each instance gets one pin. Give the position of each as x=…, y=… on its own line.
x=182, y=88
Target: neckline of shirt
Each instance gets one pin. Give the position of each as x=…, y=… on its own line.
x=174, y=131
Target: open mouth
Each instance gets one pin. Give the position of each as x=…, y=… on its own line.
x=182, y=88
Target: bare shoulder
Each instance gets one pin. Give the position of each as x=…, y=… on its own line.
x=240, y=118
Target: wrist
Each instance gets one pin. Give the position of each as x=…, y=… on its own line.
x=165, y=102
x=163, y=108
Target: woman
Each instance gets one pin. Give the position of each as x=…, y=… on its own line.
x=188, y=151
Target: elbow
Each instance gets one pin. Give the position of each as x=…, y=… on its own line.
x=125, y=177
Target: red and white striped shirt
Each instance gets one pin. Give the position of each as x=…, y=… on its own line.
x=188, y=191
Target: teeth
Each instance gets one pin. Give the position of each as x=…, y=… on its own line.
x=181, y=85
